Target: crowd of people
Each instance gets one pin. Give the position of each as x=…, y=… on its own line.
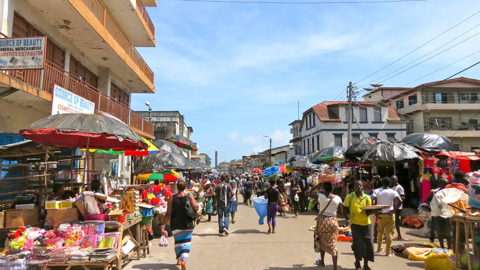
x=356, y=199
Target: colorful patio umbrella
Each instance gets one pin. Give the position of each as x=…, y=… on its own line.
x=285, y=169
x=83, y=131
x=182, y=142
x=164, y=176
x=257, y=170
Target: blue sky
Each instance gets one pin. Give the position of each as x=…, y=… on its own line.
x=236, y=71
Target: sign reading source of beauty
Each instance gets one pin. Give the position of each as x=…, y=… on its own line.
x=22, y=53
x=64, y=101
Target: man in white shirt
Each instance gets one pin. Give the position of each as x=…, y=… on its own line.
x=399, y=189
x=386, y=218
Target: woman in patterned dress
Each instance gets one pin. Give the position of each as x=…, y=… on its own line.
x=326, y=232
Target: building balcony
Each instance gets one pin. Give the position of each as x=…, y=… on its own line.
x=43, y=82
x=453, y=128
x=131, y=16
x=93, y=31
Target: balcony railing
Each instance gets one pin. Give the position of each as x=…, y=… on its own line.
x=444, y=124
x=451, y=98
x=146, y=17
x=107, y=21
x=53, y=74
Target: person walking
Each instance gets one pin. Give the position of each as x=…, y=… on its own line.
x=326, y=232
x=271, y=194
x=295, y=198
x=386, y=218
x=358, y=219
x=208, y=200
x=247, y=198
x=232, y=205
x=303, y=199
x=398, y=217
x=223, y=194
x=180, y=224
x=441, y=226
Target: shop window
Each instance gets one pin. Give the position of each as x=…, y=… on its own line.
x=83, y=73
x=117, y=94
x=355, y=137
x=463, y=96
x=391, y=137
x=373, y=135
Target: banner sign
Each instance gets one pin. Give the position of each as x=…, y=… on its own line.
x=64, y=101
x=23, y=53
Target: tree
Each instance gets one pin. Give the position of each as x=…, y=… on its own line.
x=236, y=161
x=208, y=160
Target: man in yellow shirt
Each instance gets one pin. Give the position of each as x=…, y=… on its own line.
x=359, y=221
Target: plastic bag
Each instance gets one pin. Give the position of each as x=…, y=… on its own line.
x=438, y=263
x=260, y=205
x=311, y=204
x=296, y=198
x=163, y=240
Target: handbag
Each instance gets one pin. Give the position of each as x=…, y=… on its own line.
x=188, y=207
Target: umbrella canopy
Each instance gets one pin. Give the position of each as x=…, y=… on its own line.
x=162, y=161
x=387, y=153
x=257, y=170
x=150, y=151
x=166, y=146
x=299, y=162
x=285, y=169
x=429, y=142
x=83, y=131
x=164, y=176
x=329, y=154
x=182, y=142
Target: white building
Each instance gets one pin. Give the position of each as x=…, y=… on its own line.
x=326, y=124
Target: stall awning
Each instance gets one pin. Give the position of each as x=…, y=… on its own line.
x=460, y=155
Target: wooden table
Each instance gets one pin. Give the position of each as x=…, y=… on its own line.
x=469, y=225
x=118, y=260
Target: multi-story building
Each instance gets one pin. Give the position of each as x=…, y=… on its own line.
x=89, y=51
x=449, y=107
x=83, y=48
x=326, y=124
x=168, y=123
x=274, y=157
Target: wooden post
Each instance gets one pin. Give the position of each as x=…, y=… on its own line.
x=46, y=171
x=72, y=162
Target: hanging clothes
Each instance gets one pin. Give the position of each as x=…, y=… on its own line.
x=465, y=165
x=455, y=166
x=429, y=163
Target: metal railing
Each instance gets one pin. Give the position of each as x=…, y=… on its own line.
x=446, y=124
x=451, y=98
x=53, y=74
x=146, y=17
x=114, y=30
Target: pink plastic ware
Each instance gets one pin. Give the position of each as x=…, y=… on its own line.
x=96, y=217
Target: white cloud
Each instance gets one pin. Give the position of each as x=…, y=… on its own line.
x=233, y=135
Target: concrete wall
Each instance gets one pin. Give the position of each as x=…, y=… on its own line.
x=14, y=117
x=466, y=144
x=326, y=130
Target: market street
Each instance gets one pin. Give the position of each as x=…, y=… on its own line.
x=249, y=247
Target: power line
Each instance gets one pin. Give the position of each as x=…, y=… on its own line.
x=303, y=2
x=462, y=70
x=416, y=49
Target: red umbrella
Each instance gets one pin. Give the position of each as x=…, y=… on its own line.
x=257, y=170
x=83, y=131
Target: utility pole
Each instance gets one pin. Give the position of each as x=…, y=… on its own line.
x=350, y=114
x=271, y=163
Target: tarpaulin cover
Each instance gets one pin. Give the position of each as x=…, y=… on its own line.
x=387, y=153
x=270, y=171
x=299, y=162
x=162, y=161
x=329, y=154
x=83, y=131
x=359, y=147
x=260, y=205
x=429, y=142
x=167, y=146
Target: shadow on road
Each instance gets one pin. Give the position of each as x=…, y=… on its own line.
x=248, y=231
x=155, y=266
x=304, y=267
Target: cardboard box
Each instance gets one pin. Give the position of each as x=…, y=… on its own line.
x=52, y=205
x=66, y=204
x=56, y=217
x=2, y=219
x=18, y=218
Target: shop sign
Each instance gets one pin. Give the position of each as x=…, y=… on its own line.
x=23, y=53
x=64, y=101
